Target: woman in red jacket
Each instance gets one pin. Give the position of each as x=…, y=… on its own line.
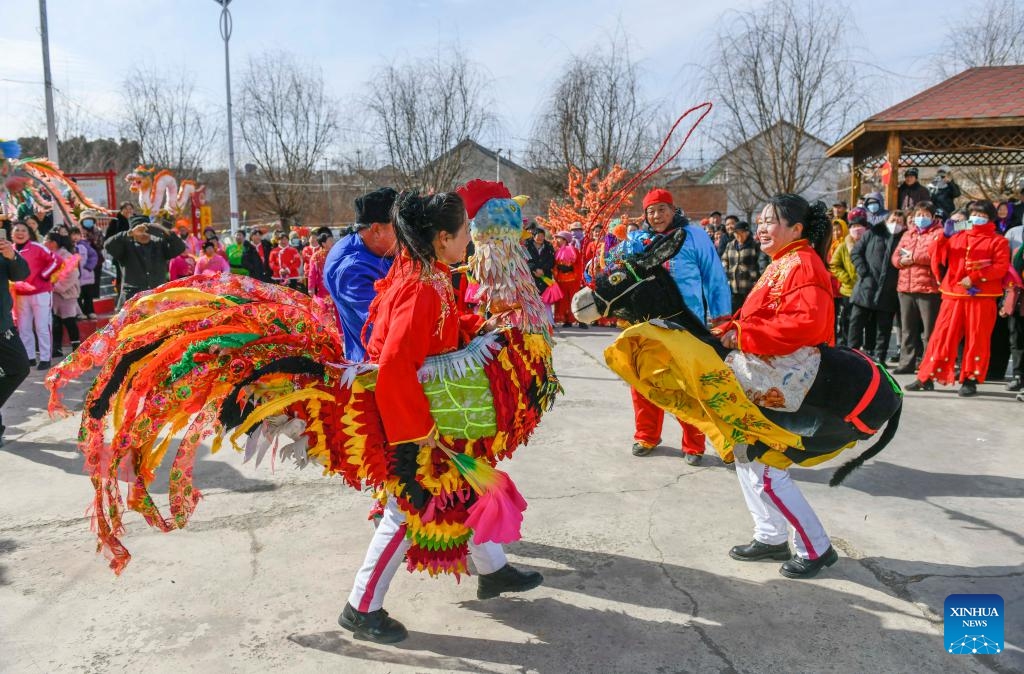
x=414, y=316
x=975, y=260
x=917, y=285
x=790, y=307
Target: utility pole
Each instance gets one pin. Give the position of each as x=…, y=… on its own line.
x=327, y=192
x=225, y=33
x=51, y=122
x=497, y=165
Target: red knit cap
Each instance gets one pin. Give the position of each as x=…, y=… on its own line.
x=658, y=196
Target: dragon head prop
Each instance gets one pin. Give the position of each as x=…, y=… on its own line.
x=140, y=179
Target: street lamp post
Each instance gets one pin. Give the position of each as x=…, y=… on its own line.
x=51, y=122
x=225, y=33
x=497, y=165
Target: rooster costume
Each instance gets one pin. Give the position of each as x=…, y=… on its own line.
x=227, y=356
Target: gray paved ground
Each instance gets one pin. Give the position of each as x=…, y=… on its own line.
x=633, y=551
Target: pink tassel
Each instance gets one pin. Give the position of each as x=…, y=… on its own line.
x=497, y=515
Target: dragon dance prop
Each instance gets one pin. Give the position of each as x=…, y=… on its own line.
x=160, y=192
x=36, y=185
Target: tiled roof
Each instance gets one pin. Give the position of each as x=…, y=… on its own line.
x=977, y=93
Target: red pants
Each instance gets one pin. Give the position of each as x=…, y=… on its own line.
x=970, y=319
x=563, y=308
x=649, y=418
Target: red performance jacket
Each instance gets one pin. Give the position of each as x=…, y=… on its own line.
x=791, y=305
x=413, y=316
x=981, y=253
x=285, y=263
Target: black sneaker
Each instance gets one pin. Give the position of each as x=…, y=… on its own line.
x=57, y=354
x=968, y=388
x=798, y=567
x=918, y=385
x=756, y=550
x=507, y=579
x=374, y=626
x=640, y=449
x=583, y=325
x=1015, y=384
x=43, y=365
x=31, y=362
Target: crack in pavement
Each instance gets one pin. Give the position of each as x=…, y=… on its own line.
x=611, y=492
x=705, y=638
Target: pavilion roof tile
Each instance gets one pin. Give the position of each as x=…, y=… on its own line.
x=977, y=93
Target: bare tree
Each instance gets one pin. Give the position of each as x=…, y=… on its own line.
x=781, y=80
x=422, y=111
x=988, y=33
x=288, y=123
x=161, y=114
x=596, y=117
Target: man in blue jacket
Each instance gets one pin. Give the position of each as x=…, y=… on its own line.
x=14, y=365
x=697, y=271
x=358, y=261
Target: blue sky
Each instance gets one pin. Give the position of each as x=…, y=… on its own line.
x=521, y=46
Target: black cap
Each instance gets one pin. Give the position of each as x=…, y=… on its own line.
x=742, y=226
x=136, y=220
x=375, y=206
x=912, y=171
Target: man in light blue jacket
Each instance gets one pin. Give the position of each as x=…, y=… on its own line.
x=697, y=271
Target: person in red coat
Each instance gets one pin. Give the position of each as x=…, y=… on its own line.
x=975, y=262
x=414, y=316
x=790, y=307
x=568, y=274
x=285, y=263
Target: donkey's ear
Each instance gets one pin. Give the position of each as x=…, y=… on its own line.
x=664, y=248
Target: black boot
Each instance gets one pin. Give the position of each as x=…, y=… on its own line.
x=507, y=579
x=798, y=567
x=756, y=550
x=918, y=385
x=374, y=626
x=968, y=388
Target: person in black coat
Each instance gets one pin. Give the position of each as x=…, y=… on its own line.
x=944, y=192
x=541, y=260
x=874, y=302
x=14, y=365
x=143, y=252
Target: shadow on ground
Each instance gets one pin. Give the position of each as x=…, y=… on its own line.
x=704, y=621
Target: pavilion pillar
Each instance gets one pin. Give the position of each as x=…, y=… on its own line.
x=893, y=149
x=855, y=185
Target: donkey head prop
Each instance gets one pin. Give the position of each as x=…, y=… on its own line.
x=638, y=288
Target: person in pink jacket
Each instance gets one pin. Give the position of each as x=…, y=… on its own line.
x=34, y=297
x=917, y=287
x=211, y=262
x=181, y=266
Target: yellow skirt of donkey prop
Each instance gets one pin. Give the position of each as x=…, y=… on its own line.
x=685, y=377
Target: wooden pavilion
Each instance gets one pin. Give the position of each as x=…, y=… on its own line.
x=975, y=118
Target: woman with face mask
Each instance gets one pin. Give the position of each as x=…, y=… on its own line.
x=874, y=301
x=841, y=266
x=975, y=262
x=917, y=285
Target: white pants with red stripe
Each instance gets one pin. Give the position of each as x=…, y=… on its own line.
x=775, y=503
x=387, y=551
